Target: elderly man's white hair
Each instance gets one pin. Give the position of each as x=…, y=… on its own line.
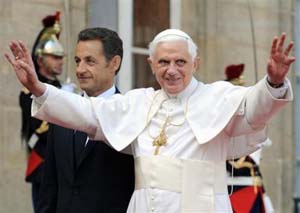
x=173, y=35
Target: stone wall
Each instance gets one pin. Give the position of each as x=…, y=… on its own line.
x=21, y=20
x=222, y=30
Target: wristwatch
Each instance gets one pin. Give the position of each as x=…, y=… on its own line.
x=274, y=85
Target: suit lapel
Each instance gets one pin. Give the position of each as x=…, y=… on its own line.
x=89, y=147
x=117, y=90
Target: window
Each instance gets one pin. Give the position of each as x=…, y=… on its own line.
x=149, y=18
x=139, y=22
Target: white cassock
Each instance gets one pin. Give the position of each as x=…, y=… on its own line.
x=188, y=174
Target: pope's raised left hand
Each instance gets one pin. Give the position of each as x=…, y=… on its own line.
x=279, y=61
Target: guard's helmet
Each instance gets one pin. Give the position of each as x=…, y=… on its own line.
x=47, y=40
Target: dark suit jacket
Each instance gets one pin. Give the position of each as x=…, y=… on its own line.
x=102, y=180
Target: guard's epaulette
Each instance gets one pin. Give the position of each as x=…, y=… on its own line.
x=42, y=128
x=25, y=90
x=241, y=163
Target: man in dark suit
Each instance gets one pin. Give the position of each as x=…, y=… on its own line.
x=80, y=175
x=47, y=54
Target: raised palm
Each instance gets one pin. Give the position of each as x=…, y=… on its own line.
x=279, y=61
x=23, y=66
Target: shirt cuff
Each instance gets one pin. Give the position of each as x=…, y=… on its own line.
x=41, y=99
x=278, y=92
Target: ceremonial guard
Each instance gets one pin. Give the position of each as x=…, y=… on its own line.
x=245, y=186
x=47, y=55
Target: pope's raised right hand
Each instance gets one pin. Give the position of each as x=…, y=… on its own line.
x=24, y=68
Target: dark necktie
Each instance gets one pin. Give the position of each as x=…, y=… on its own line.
x=79, y=143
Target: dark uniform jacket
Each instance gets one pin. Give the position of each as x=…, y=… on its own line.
x=97, y=180
x=246, y=198
x=30, y=126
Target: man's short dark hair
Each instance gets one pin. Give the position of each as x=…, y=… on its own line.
x=112, y=43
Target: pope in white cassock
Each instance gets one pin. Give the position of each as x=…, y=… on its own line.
x=179, y=135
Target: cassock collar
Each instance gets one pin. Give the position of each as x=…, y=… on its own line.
x=186, y=93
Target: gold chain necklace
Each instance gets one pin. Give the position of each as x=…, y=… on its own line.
x=161, y=139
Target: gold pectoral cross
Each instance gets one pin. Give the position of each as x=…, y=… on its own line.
x=161, y=139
